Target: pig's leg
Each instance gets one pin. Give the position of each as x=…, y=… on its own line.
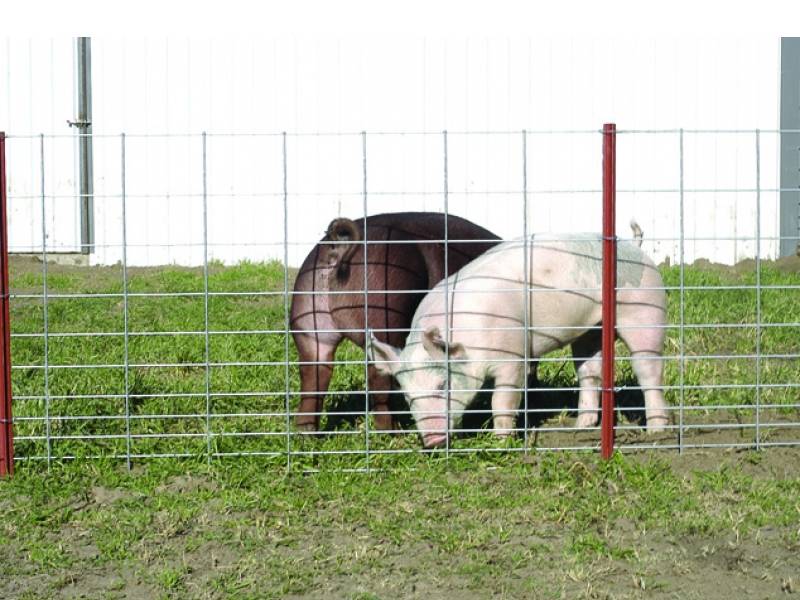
x=314, y=382
x=379, y=399
x=504, y=411
x=649, y=371
x=509, y=379
x=646, y=346
x=587, y=358
x=316, y=339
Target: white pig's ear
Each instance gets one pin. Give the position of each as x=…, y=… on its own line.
x=384, y=357
x=436, y=347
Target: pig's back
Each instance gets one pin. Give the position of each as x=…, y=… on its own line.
x=556, y=261
x=565, y=277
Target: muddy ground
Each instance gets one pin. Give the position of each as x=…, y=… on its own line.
x=708, y=523
x=204, y=535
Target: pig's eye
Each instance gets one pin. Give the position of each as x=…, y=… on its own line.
x=442, y=386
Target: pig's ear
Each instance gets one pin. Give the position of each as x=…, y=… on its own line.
x=436, y=347
x=457, y=350
x=384, y=357
x=433, y=343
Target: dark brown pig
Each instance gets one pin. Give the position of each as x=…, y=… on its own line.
x=321, y=320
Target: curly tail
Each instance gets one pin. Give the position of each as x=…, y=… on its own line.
x=345, y=232
x=637, y=233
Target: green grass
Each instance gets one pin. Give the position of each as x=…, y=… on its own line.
x=164, y=394
x=486, y=524
x=535, y=528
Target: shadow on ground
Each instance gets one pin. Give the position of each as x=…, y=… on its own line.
x=545, y=403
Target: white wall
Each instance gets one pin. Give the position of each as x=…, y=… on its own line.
x=391, y=84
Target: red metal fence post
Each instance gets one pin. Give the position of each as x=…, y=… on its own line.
x=609, y=285
x=6, y=425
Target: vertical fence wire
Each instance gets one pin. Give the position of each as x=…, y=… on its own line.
x=446, y=296
x=286, y=315
x=125, y=348
x=48, y=430
x=526, y=288
x=758, y=289
x=366, y=295
x=45, y=315
x=205, y=299
x=682, y=300
x=6, y=414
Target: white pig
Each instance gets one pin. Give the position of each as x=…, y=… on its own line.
x=485, y=305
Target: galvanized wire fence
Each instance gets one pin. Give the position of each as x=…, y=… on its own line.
x=180, y=338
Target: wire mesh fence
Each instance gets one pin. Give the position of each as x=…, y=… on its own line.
x=237, y=279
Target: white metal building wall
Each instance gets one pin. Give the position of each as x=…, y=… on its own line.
x=266, y=86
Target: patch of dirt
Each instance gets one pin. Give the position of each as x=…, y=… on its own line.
x=209, y=561
x=765, y=565
x=772, y=464
x=343, y=559
x=79, y=541
x=103, y=496
x=786, y=264
x=97, y=582
x=184, y=484
x=721, y=568
x=703, y=430
x=672, y=568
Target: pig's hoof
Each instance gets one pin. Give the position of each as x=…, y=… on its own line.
x=657, y=424
x=586, y=419
x=384, y=422
x=504, y=434
x=505, y=439
x=306, y=427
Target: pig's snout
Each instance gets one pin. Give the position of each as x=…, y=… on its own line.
x=434, y=440
x=433, y=431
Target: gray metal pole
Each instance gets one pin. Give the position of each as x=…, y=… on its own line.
x=790, y=146
x=83, y=122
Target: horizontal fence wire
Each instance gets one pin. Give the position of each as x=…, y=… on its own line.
x=118, y=358
x=359, y=134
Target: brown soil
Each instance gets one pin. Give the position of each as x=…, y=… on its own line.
x=786, y=264
x=761, y=565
